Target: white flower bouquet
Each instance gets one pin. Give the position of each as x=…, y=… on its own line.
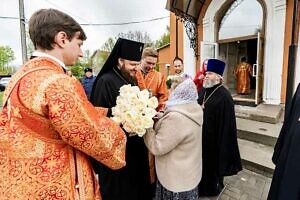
x=134, y=110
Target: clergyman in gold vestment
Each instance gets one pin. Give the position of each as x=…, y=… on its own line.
x=48, y=128
x=242, y=72
x=148, y=78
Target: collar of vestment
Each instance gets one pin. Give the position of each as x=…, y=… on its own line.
x=145, y=80
x=143, y=71
x=38, y=63
x=42, y=54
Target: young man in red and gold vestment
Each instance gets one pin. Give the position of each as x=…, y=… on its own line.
x=48, y=128
x=149, y=78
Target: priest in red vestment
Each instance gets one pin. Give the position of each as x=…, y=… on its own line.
x=242, y=72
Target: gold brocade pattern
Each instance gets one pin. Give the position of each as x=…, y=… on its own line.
x=47, y=114
x=243, y=72
x=156, y=83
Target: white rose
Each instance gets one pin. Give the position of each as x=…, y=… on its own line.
x=120, y=101
x=125, y=89
x=135, y=89
x=132, y=99
x=117, y=119
x=139, y=106
x=128, y=127
x=144, y=95
x=148, y=122
x=152, y=102
x=114, y=110
x=134, y=109
x=130, y=115
x=140, y=131
x=149, y=112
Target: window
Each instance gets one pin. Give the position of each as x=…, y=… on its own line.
x=235, y=23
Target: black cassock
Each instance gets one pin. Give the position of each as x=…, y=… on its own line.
x=133, y=181
x=285, y=183
x=220, y=152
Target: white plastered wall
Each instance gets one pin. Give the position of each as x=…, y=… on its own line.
x=189, y=56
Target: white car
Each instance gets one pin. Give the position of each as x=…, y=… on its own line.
x=3, y=82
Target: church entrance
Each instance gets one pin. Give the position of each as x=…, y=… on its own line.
x=239, y=34
x=233, y=51
x=240, y=43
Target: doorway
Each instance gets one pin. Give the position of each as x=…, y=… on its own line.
x=232, y=52
x=240, y=37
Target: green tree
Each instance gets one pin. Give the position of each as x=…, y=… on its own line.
x=164, y=39
x=6, y=56
x=108, y=45
x=86, y=60
x=81, y=64
x=100, y=56
x=77, y=70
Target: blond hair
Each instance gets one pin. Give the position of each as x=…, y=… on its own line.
x=149, y=51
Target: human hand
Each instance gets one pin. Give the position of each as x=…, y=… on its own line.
x=157, y=116
x=201, y=77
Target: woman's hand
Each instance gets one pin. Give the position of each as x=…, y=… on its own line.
x=157, y=116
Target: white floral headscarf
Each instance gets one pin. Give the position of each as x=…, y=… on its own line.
x=185, y=92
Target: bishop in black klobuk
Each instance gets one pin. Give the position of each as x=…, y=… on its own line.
x=133, y=181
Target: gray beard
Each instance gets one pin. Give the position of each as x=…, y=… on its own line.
x=207, y=83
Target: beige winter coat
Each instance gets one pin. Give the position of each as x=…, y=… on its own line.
x=177, y=146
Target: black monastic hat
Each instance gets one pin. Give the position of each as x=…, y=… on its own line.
x=124, y=48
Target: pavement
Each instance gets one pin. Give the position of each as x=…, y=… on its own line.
x=247, y=185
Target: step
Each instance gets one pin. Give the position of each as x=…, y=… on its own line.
x=257, y=157
x=244, y=101
x=260, y=132
x=263, y=112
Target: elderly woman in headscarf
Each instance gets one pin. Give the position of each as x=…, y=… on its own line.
x=176, y=143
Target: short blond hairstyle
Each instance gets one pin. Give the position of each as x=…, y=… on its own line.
x=150, y=51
